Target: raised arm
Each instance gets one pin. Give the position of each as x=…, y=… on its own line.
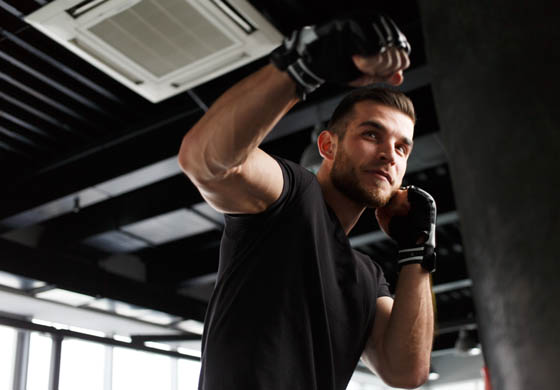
x=220, y=153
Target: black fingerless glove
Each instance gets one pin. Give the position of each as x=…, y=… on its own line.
x=314, y=55
x=415, y=232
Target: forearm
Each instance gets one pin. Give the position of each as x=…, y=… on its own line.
x=407, y=341
x=237, y=123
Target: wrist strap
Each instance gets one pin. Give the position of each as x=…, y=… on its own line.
x=410, y=256
x=288, y=58
x=423, y=255
x=306, y=80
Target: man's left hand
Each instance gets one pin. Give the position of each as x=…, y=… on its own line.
x=410, y=219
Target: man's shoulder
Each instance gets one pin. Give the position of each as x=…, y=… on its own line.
x=296, y=177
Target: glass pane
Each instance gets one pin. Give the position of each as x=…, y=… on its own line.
x=188, y=373
x=7, y=356
x=82, y=365
x=477, y=384
x=39, y=362
x=140, y=370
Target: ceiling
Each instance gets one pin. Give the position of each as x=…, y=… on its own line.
x=93, y=200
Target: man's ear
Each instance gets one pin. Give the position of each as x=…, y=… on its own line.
x=327, y=143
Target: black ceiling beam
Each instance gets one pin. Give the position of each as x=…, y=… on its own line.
x=49, y=95
x=11, y=9
x=82, y=277
x=60, y=81
x=62, y=67
x=44, y=123
x=166, y=195
x=25, y=7
x=53, y=103
x=15, y=135
x=148, y=144
x=37, y=100
x=12, y=149
x=55, y=84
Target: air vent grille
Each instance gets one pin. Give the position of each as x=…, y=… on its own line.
x=162, y=38
x=159, y=48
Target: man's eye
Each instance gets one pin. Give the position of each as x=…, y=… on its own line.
x=403, y=149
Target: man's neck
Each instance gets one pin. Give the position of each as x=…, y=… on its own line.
x=347, y=211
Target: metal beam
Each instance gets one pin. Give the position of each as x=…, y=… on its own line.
x=12, y=149
x=46, y=99
x=79, y=276
x=54, y=84
x=61, y=67
x=133, y=151
x=18, y=137
x=44, y=116
x=167, y=195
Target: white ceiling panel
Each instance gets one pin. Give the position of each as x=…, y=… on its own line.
x=171, y=226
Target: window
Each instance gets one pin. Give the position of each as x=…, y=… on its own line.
x=187, y=375
x=82, y=365
x=477, y=384
x=7, y=356
x=141, y=370
x=39, y=362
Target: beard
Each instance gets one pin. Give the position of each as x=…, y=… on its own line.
x=345, y=179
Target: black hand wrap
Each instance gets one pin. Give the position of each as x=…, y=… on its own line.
x=416, y=232
x=316, y=54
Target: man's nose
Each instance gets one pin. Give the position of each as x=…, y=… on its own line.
x=387, y=152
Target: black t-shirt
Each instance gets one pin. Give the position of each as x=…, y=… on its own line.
x=294, y=303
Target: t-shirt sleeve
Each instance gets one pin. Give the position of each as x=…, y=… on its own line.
x=382, y=284
x=296, y=179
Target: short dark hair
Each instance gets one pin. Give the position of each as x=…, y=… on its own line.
x=385, y=96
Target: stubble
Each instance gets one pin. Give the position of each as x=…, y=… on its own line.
x=344, y=177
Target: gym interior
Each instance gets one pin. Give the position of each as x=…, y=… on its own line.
x=109, y=254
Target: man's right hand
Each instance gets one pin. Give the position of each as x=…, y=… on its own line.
x=386, y=67
x=354, y=52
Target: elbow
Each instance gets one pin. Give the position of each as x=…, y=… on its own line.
x=191, y=158
x=196, y=161
x=185, y=157
x=414, y=380
x=408, y=380
x=406, y=383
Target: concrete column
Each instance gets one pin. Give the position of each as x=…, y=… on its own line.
x=495, y=80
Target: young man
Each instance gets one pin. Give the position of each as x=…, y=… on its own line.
x=294, y=305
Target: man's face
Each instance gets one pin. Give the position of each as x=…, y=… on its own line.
x=370, y=160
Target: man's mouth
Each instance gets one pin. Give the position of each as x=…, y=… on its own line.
x=381, y=174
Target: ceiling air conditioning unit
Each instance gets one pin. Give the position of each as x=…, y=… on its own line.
x=159, y=48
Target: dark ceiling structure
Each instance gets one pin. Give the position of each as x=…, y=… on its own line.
x=92, y=190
